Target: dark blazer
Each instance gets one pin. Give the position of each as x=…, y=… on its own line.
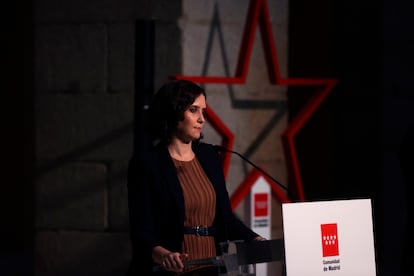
x=156, y=205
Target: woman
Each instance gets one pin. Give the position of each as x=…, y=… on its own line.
x=178, y=203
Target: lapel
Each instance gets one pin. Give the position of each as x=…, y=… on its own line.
x=213, y=169
x=207, y=164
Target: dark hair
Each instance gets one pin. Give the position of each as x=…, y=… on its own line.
x=168, y=106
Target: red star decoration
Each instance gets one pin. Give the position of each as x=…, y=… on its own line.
x=258, y=13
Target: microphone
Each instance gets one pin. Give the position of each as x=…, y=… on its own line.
x=220, y=148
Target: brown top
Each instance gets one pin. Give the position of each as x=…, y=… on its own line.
x=200, y=208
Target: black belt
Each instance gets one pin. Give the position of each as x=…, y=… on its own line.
x=200, y=230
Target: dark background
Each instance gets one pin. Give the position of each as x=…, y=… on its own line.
x=362, y=134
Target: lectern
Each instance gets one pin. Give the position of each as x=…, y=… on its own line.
x=240, y=258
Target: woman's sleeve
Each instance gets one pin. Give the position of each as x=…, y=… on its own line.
x=140, y=206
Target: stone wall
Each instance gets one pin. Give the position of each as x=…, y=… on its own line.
x=84, y=111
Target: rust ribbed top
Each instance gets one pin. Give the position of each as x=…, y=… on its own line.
x=200, y=207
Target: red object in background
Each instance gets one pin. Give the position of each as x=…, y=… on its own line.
x=261, y=204
x=244, y=188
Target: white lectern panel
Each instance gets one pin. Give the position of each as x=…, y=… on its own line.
x=329, y=238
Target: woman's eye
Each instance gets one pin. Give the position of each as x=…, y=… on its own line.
x=193, y=109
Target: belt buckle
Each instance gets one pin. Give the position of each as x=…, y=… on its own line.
x=198, y=230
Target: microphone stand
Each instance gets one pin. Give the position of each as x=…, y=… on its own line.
x=220, y=148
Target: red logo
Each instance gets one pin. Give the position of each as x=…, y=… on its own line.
x=261, y=205
x=329, y=234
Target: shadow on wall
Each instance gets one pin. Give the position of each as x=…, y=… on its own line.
x=85, y=149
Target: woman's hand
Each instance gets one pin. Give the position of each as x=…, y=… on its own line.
x=173, y=261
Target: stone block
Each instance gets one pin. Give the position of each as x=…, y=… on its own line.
x=231, y=11
x=79, y=127
x=105, y=10
x=168, y=52
x=118, y=197
x=121, y=41
x=213, y=33
x=72, y=197
x=70, y=58
x=81, y=253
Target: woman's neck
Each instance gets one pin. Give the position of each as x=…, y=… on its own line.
x=181, y=151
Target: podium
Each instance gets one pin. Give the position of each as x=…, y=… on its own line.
x=321, y=238
x=240, y=258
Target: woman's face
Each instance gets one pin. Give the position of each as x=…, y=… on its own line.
x=194, y=117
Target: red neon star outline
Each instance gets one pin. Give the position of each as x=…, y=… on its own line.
x=258, y=13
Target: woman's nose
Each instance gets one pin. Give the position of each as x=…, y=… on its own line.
x=201, y=118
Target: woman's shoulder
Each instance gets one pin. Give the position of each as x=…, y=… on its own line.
x=204, y=147
x=206, y=151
